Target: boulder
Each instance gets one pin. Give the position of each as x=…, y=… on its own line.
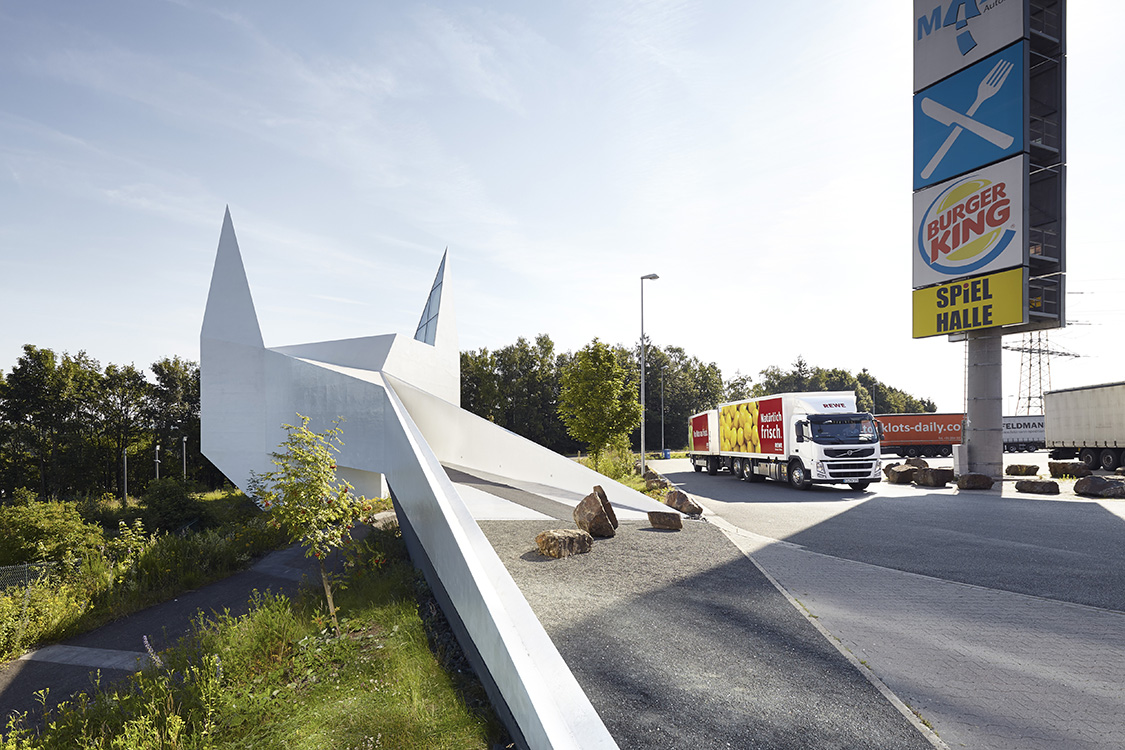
x=665, y=519
x=1095, y=486
x=1022, y=470
x=650, y=474
x=917, y=463
x=1037, y=487
x=1060, y=469
x=680, y=501
x=657, y=483
x=591, y=517
x=563, y=542
x=605, y=505
x=887, y=469
x=901, y=474
x=933, y=477
x=974, y=482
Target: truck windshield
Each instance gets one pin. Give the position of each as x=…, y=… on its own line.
x=844, y=429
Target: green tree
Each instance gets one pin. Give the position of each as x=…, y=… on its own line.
x=480, y=385
x=307, y=500
x=123, y=409
x=45, y=531
x=596, y=400
x=174, y=412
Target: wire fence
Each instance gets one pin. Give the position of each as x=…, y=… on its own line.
x=25, y=574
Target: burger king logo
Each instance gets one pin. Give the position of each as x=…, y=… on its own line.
x=967, y=226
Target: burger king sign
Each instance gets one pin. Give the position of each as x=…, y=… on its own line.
x=970, y=225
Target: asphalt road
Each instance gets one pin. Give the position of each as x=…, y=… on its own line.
x=1067, y=548
x=997, y=616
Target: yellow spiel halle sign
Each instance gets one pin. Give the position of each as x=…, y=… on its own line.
x=996, y=299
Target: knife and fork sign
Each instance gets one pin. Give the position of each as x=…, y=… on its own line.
x=989, y=87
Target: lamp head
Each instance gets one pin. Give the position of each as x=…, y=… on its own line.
x=650, y=277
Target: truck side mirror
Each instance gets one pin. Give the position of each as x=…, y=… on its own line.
x=800, y=431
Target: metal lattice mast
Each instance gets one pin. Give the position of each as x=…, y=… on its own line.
x=1035, y=370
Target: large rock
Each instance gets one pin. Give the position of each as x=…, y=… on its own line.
x=1060, y=469
x=917, y=463
x=933, y=477
x=605, y=504
x=887, y=469
x=665, y=519
x=1037, y=487
x=657, y=483
x=1022, y=470
x=680, y=501
x=563, y=542
x=974, y=482
x=591, y=517
x=1095, y=486
x=901, y=474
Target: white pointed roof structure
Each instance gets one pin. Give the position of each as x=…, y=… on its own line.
x=404, y=431
x=230, y=314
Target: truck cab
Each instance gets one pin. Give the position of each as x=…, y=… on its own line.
x=835, y=448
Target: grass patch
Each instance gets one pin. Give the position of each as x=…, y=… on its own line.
x=131, y=571
x=278, y=677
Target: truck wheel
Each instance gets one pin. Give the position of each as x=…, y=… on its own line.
x=946, y=451
x=697, y=467
x=736, y=468
x=798, y=476
x=1110, y=459
x=748, y=470
x=911, y=452
x=1089, y=457
x=859, y=486
x=712, y=465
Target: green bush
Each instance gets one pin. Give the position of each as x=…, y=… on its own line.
x=45, y=531
x=169, y=506
x=616, y=460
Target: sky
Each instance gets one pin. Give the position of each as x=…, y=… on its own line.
x=756, y=156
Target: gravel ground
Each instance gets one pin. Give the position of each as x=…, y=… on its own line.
x=681, y=642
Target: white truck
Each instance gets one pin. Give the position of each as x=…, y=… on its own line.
x=1024, y=433
x=799, y=438
x=1088, y=422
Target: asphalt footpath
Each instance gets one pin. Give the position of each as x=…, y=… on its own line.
x=680, y=641
x=116, y=650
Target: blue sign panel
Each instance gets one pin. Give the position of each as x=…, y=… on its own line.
x=970, y=119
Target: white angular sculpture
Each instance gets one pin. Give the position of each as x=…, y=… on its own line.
x=400, y=398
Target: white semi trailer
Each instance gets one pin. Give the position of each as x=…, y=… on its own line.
x=799, y=438
x=1087, y=422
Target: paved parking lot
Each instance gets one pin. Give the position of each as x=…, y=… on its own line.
x=995, y=615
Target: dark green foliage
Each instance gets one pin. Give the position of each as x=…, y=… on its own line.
x=40, y=532
x=517, y=387
x=67, y=425
x=871, y=395
x=169, y=506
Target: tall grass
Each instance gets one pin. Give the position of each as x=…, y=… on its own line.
x=132, y=571
x=279, y=677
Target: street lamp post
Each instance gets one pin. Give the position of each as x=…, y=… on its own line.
x=158, y=462
x=646, y=277
x=184, y=443
x=662, y=449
